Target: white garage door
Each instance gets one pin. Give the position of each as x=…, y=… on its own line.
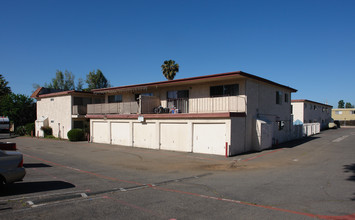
x=101, y=132
x=209, y=138
x=174, y=136
x=120, y=134
x=144, y=135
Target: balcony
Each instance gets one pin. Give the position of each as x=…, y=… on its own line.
x=79, y=110
x=113, y=108
x=192, y=105
x=218, y=104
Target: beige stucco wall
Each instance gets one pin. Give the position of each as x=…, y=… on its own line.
x=262, y=105
x=59, y=112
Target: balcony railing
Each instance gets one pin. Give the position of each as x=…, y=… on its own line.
x=79, y=110
x=114, y=108
x=218, y=104
x=192, y=105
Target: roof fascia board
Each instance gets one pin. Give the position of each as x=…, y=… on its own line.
x=191, y=80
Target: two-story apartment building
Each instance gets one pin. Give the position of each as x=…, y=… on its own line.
x=222, y=114
x=307, y=111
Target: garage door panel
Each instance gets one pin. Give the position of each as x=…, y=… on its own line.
x=209, y=138
x=174, y=136
x=120, y=133
x=101, y=132
x=144, y=135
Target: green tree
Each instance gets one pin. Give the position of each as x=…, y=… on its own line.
x=4, y=89
x=20, y=109
x=96, y=80
x=80, y=85
x=69, y=80
x=341, y=104
x=349, y=105
x=170, y=68
x=62, y=81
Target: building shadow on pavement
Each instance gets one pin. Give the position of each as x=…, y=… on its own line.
x=33, y=187
x=294, y=143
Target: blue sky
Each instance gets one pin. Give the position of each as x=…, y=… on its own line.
x=307, y=45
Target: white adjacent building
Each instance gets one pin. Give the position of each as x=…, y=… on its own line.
x=307, y=111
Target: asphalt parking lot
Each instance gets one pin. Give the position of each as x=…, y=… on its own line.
x=309, y=178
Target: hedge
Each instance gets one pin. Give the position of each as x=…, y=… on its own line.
x=76, y=134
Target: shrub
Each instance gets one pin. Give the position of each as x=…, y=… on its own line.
x=47, y=131
x=20, y=130
x=30, y=127
x=51, y=137
x=76, y=134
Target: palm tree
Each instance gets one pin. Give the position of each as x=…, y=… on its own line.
x=170, y=68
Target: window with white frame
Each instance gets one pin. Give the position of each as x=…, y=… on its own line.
x=338, y=112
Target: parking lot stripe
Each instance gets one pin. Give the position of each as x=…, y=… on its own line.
x=261, y=155
x=347, y=217
x=340, y=138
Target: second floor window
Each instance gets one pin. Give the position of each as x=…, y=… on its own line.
x=278, y=97
x=224, y=90
x=136, y=96
x=181, y=94
x=114, y=98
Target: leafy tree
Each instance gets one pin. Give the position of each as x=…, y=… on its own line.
x=349, y=105
x=170, y=68
x=80, y=84
x=69, y=81
x=62, y=81
x=341, y=104
x=4, y=89
x=20, y=109
x=96, y=80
